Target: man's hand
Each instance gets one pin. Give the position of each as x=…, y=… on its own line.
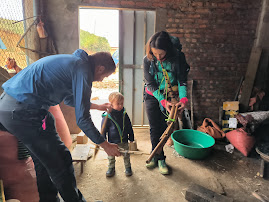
x=105, y=107
x=110, y=149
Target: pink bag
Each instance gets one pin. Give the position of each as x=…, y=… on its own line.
x=241, y=140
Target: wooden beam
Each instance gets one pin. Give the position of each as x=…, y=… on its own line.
x=2, y=195
x=250, y=78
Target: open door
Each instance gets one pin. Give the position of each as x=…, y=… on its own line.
x=136, y=27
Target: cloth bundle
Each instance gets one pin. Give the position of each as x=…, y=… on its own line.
x=211, y=128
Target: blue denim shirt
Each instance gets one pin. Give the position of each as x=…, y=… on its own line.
x=57, y=78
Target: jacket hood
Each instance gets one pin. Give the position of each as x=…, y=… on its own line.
x=81, y=54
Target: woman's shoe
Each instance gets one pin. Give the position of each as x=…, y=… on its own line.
x=152, y=164
x=163, y=167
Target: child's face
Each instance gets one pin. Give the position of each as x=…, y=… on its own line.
x=117, y=104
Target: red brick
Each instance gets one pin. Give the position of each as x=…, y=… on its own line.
x=224, y=5
x=143, y=4
x=187, y=21
x=202, y=26
x=214, y=5
x=159, y=5
x=187, y=9
x=171, y=20
x=180, y=15
x=171, y=30
x=187, y=35
x=178, y=35
x=127, y=3
x=188, y=26
x=113, y=2
x=193, y=16
x=198, y=4
x=202, y=10
x=202, y=21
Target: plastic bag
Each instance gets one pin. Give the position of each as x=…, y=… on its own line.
x=240, y=139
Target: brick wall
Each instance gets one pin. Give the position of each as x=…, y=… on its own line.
x=217, y=37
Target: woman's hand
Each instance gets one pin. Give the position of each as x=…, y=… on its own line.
x=179, y=105
x=168, y=106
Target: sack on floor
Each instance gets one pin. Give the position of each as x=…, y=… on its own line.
x=240, y=139
x=211, y=128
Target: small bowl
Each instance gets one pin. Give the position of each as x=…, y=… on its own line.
x=192, y=144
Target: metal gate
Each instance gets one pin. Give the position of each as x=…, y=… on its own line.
x=136, y=27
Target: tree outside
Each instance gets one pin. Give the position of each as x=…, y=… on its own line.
x=92, y=43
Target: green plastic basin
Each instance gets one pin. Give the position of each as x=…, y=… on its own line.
x=192, y=144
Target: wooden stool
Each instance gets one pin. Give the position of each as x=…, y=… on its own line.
x=81, y=153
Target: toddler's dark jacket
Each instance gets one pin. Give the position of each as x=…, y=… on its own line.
x=118, y=128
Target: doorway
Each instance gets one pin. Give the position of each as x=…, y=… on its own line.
x=130, y=30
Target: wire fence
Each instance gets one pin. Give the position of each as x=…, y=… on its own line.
x=12, y=27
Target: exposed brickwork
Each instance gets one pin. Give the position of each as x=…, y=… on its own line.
x=217, y=37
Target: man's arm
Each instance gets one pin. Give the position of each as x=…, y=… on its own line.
x=102, y=107
x=81, y=87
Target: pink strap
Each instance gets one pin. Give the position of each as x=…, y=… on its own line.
x=184, y=100
x=44, y=123
x=163, y=103
x=148, y=92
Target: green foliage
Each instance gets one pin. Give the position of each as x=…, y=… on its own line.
x=7, y=25
x=92, y=43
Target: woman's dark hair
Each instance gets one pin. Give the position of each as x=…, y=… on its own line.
x=160, y=40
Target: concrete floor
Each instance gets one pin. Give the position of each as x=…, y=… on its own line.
x=230, y=174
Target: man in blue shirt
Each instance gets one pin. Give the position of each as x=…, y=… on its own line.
x=24, y=113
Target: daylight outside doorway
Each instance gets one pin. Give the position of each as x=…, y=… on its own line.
x=99, y=31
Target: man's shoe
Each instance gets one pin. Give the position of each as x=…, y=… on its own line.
x=110, y=172
x=163, y=167
x=152, y=164
x=128, y=171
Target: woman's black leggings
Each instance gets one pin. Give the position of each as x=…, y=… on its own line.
x=156, y=122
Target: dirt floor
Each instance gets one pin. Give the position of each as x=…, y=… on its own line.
x=232, y=175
